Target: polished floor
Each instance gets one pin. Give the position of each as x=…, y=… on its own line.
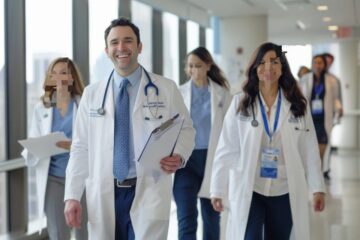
x=341, y=218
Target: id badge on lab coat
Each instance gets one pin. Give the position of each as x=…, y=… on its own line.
x=317, y=106
x=269, y=162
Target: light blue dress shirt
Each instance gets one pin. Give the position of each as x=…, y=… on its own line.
x=59, y=162
x=201, y=115
x=133, y=88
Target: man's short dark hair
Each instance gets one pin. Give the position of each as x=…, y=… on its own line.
x=124, y=22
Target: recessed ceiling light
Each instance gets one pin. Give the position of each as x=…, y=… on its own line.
x=333, y=28
x=322, y=7
x=326, y=19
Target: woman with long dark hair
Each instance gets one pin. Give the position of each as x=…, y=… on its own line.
x=207, y=98
x=267, y=152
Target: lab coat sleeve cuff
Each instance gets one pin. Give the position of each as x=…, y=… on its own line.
x=72, y=197
x=183, y=162
x=320, y=190
x=182, y=159
x=217, y=195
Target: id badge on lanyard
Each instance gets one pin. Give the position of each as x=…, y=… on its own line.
x=269, y=162
x=317, y=106
x=270, y=155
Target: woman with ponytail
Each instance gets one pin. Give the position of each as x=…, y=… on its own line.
x=207, y=98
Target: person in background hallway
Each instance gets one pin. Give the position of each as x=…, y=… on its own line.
x=115, y=119
x=329, y=61
x=63, y=87
x=207, y=98
x=302, y=71
x=267, y=155
x=322, y=92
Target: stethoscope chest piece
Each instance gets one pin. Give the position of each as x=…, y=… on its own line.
x=254, y=123
x=101, y=111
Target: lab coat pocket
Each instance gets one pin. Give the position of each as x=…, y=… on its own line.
x=154, y=113
x=235, y=185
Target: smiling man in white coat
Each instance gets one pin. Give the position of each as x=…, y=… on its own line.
x=114, y=121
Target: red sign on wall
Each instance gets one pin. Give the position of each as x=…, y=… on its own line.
x=344, y=32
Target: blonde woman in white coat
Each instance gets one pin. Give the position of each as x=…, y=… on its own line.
x=207, y=98
x=322, y=92
x=267, y=155
x=62, y=77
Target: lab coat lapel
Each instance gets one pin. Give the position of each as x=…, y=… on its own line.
x=140, y=96
x=47, y=119
x=309, y=86
x=216, y=99
x=110, y=100
x=284, y=110
x=260, y=128
x=187, y=95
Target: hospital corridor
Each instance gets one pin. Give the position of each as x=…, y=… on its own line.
x=179, y=119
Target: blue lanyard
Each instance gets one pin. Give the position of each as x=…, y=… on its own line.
x=263, y=113
x=319, y=89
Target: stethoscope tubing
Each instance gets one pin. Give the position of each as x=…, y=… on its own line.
x=101, y=110
x=255, y=122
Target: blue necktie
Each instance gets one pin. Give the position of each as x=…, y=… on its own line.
x=121, y=133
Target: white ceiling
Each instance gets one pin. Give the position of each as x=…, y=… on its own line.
x=283, y=15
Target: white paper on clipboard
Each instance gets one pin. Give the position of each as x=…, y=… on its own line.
x=45, y=146
x=160, y=144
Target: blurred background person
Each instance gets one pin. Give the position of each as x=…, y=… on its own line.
x=329, y=62
x=63, y=87
x=267, y=155
x=322, y=92
x=302, y=71
x=207, y=98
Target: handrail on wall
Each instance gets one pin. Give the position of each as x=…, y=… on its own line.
x=12, y=164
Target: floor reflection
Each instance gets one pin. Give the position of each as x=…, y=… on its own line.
x=341, y=217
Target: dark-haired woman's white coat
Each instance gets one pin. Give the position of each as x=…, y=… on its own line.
x=237, y=155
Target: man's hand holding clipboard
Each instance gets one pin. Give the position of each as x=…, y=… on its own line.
x=160, y=146
x=171, y=164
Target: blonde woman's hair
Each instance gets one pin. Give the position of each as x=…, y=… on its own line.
x=78, y=85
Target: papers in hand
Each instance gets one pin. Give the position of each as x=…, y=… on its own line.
x=160, y=144
x=45, y=146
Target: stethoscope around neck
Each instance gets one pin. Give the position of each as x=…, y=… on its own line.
x=150, y=84
x=254, y=122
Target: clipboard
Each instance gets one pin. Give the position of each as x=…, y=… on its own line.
x=161, y=143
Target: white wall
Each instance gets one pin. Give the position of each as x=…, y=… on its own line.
x=245, y=32
x=346, y=135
